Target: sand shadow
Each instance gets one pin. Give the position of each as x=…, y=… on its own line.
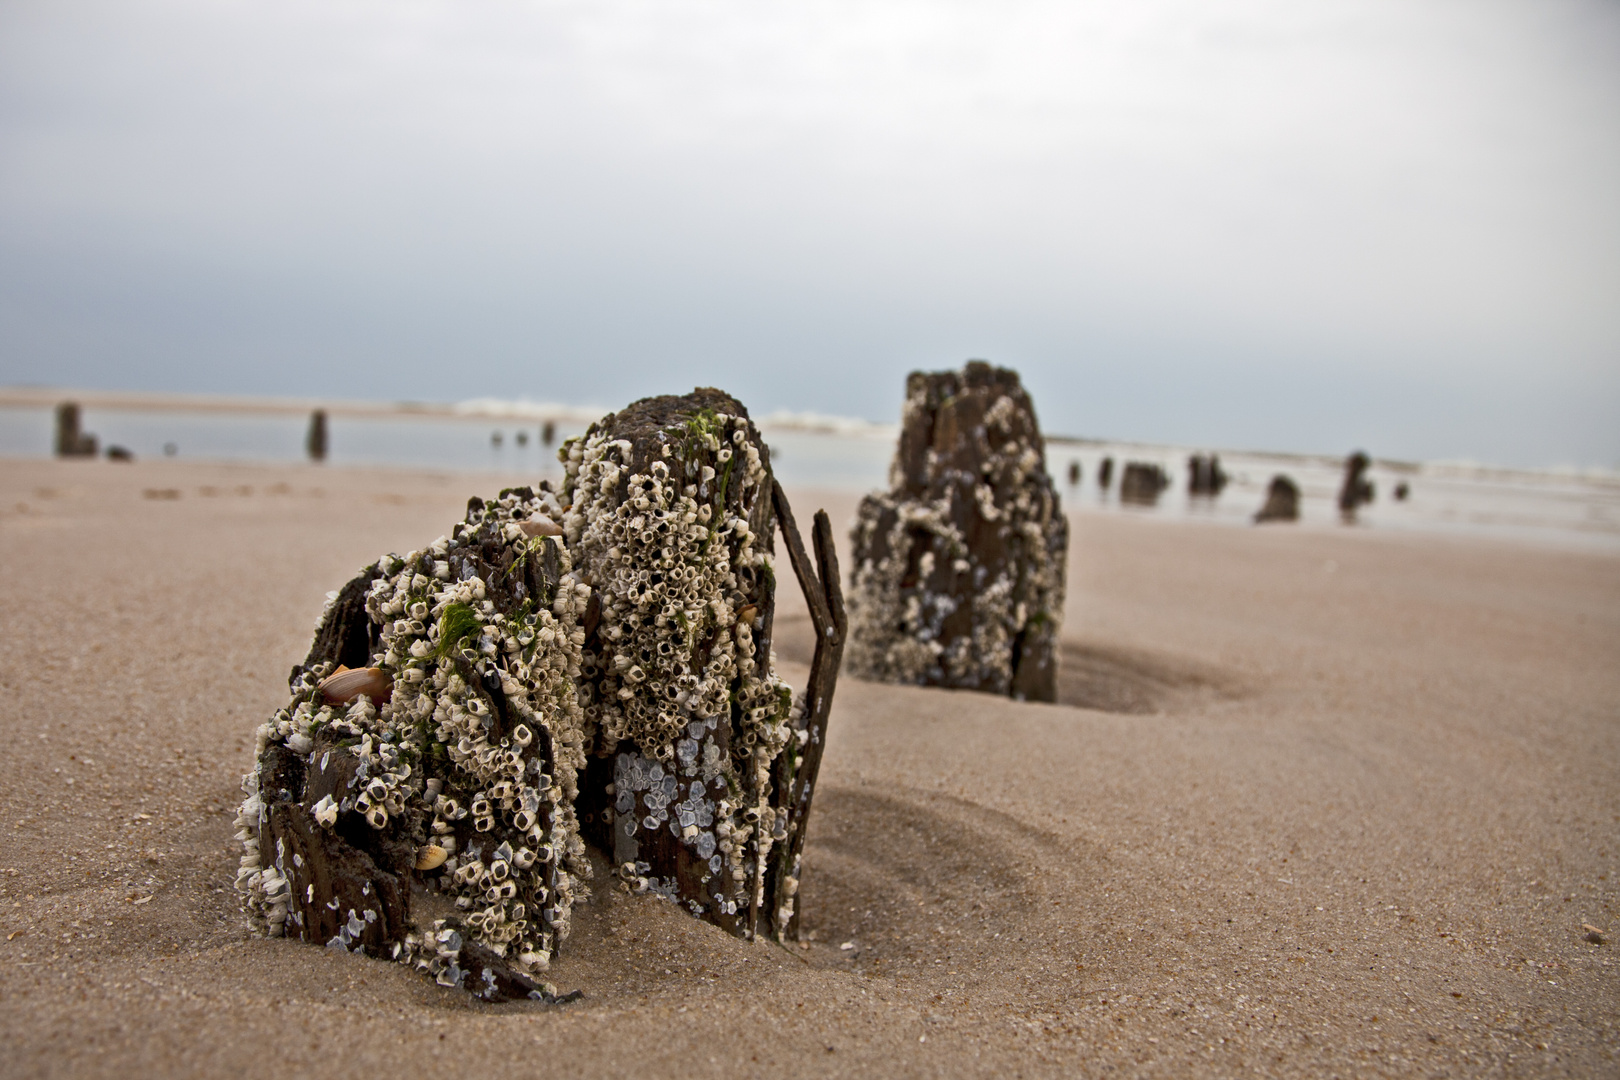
x=1108, y=678
x=1113, y=679
x=910, y=878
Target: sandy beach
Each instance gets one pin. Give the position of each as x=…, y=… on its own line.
x=1319, y=802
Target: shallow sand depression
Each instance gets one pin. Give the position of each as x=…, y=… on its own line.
x=1321, y=802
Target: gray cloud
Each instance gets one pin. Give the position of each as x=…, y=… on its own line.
x=1243, y=223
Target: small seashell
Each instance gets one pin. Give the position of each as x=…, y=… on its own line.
x=346, y=684
x=540, y=525
x=431, y=857
x=746, y=615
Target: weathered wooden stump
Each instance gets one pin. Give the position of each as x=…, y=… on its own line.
x=1142, y=483
x=70, y=441
x=1205, y=476
x=958, y=569
x=1282, y=501
x=599, y=655
x=415, y=799
x=315, y=439
x=702, y=764
x=1356, y=490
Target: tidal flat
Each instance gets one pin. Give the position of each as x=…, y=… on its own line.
x=1312, y=802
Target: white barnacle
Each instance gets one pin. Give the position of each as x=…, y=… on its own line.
x=326, y=811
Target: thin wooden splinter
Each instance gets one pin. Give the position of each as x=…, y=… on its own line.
x=795, y=774
x=814, y=596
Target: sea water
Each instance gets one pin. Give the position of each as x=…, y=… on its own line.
x=1580, y=509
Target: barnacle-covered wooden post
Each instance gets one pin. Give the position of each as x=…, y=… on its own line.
x=464, y=710
x=700, y=773
x=415, y=798
x=958, y=568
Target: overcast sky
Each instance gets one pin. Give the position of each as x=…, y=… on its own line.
x=1242, y=223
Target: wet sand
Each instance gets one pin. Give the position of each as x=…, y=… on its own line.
x=1321, y=802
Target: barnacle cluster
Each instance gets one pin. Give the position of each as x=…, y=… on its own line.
x=675, y=565
x=586, y=664
x=673, y=527
x=459, y=773
x=959, y=567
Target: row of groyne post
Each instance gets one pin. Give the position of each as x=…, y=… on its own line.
x=72, y=441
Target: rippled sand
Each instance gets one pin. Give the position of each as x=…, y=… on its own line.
x=1317, y=803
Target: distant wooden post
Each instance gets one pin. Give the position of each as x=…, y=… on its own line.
x=1357, y=489
x=1205, y=475
x=1142, y=483
x=1282, y=501
x=70, y=441
x=315, y=442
